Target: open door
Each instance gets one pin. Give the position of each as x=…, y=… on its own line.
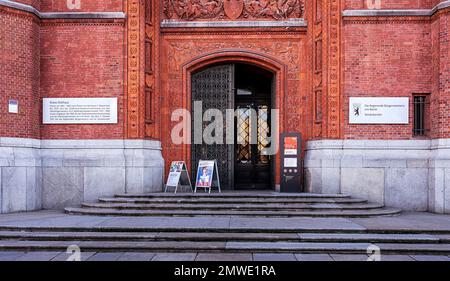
x=253, y=168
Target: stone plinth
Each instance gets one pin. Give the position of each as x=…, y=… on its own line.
x=412, y=174
x=53, y=174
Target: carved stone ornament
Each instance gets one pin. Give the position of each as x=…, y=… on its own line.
x=233, y=9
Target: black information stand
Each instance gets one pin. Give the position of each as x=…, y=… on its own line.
x=291, y=163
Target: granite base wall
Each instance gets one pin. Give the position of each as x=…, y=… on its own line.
x=52, y=174
x=413, y=175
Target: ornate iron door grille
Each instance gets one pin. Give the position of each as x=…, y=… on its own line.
x=214, y=87
x=250, y=150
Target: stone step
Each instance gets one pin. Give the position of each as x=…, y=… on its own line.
x=278, y=213
x=248, y=206
x=233, y=195
x=224, y=247
x=386, y=248
x=147, y=236
x=373, y=238
x=306, y=228
x=223, y=201
x=220, y=237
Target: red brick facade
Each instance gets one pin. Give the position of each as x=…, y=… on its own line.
x=85, y=5
x=395, y=62
x=392, y=4
x=397, y=56
x=77, y=69
x=20, y=74
x=332, y=58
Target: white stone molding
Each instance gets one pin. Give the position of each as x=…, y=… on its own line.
x=397, y=13
x=61, y=15
x=233, y=24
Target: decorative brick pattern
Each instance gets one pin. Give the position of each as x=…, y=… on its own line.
x=134, y=69
x=334, y=74
x=318, y=64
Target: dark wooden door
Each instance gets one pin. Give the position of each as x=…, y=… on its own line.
x=252, y=165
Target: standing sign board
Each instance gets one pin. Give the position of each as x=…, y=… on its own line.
x=178, y=175
x=291, y=166
x=207, y=175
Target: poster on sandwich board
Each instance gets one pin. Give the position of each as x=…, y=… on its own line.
x=207, y=175
x=178, y=175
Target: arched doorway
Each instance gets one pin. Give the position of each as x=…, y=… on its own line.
x=244, y=95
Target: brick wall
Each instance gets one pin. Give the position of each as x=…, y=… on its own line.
x=87, y=59
x=83, y=60
x=86, y=6
x=76, y=59
x=444, y=70
x=19, y=74
x=390, y=59
x=418, y=51
x=34, y=3
x=393, y=4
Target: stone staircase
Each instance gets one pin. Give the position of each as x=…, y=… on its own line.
x=227, y=223
x=233, y=204
x=242, y=240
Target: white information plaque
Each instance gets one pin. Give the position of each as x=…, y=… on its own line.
x=290, y=162
x=79, y=111
x=13, y=106
x=379, y=110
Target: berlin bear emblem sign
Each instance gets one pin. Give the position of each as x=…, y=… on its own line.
x=233, y=8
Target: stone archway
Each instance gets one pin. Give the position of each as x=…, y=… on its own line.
x=238, y=56
x=183, y=56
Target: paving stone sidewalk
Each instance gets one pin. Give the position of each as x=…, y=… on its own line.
x=117, y=256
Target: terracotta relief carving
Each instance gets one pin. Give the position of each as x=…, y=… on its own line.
x=133, y=83
x=277, y=9
x=193, y=9
x=233, y=9
x=148, y=65
x=288, y=52
x=334, y=67
x=285, y=50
